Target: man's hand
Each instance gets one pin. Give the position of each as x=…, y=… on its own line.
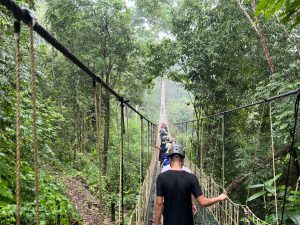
x=205, y=202
x=194, y=209
x=223, y=197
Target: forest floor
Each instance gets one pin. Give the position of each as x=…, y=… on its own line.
x=77, y=191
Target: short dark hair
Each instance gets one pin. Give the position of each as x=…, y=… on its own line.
x=176, y=157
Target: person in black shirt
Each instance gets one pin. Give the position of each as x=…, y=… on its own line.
x=174, y=190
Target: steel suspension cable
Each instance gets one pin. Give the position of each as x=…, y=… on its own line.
x=122, y=161
x=34, y=125
x=99, y=150
x=18, y=137
x=296, y=111
x=273, y=159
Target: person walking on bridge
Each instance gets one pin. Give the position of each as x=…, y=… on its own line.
x=174, y=190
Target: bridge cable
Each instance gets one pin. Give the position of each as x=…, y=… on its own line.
x=99, y=150
x=296, y=110
x=17, y=28
x=273, y=159
x=34, y=124
x=122, y=161
x=273, y=98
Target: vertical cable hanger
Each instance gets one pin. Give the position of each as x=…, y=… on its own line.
x=293, y=134
x=98, y=99
x=201, y=143
x=273, y=160
x=148, y=142
x=34, y=123
x=186, y=129
x=223, y=151
x=122, y=161
x=17, y=28
x=142, y=151
x=191, y=142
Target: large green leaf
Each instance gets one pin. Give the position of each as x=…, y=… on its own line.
x=271, y=181
x=255, y=196
x=270, y=189
x=255, y=186
x=295, y=217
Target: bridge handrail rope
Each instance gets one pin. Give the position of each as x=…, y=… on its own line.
x=270, y=99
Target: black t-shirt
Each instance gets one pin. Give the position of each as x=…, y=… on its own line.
x=176, y=187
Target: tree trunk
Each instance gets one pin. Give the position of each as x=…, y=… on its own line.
x=256, y=25
x=198, y=157
x=75, y=110
x=83, y=130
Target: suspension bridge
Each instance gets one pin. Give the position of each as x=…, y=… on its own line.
x=228, y=212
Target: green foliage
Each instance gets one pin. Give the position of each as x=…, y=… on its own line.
x=207, y=46
x=53, y=204
x=268, y=187
x=288, y=10
x=291, y=215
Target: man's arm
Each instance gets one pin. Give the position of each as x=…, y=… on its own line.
x=158, y=209
x=205, y=202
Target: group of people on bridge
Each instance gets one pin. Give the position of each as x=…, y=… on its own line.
x=177, y=189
